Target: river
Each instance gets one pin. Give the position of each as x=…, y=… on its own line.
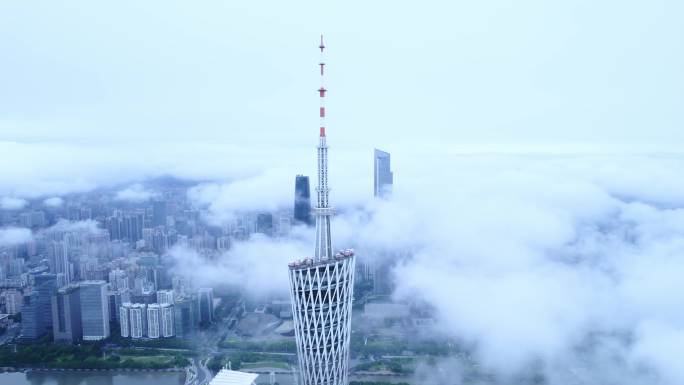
x=85, y=378
x=137, y=378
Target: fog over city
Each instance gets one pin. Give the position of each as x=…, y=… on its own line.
x=538, y=201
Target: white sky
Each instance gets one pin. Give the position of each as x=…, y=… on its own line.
x=400, y=73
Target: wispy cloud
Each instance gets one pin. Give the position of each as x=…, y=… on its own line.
x=9, y=203
x=14, y=235
x=53, y=202
x=135, y=193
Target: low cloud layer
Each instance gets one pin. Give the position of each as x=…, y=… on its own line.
x=53, y=202
x=9, y=203
x=14, y=235
x=538, y=262
x=570, y=264
x=88, y=226
x=258, y=266
x=135, y=193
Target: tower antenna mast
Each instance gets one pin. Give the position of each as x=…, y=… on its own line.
x=323, y=248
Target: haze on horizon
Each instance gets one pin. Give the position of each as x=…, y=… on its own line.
x=500, y=72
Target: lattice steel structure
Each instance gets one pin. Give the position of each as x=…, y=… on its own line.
x=322, y=288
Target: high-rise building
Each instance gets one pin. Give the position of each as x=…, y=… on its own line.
x=166, y=320
x=185, y=316
x=116, y=300
x=321, y=289
x=264, y=224
x=160, y=241
x=36, y=310
x=159, y=213
x=283, y=225
x=113, y=302
x=94, y=310
x=302, y=202
x=31, y=219
x=382, y=174
x=127, y=226
x=133, y=226
x=16, y=267
x=222, y=243
x=165, y=296
x=32, y=321
x=153, y=320
x=206, y=305
x=138, y=322
x=13, y=299
x=114, y=225
x=125, y=319
x=118, y=279
x=58, y=253
x=66, y=314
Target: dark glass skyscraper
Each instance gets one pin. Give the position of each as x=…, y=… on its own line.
x=32, y=321
x=36, y=312
x=66, y=314
x=302, y=203
x=382, y=174
x=186, y=317
x=206, y=305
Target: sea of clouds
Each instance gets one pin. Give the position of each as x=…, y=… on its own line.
x=569, y=264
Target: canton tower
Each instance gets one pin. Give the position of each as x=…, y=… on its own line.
x=321, y=287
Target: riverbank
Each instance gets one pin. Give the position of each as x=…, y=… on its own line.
x=115, y=370
x=92, y=378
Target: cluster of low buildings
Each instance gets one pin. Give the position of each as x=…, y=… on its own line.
x=167, y=317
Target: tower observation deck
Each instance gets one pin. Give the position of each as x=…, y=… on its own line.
x=321, y=288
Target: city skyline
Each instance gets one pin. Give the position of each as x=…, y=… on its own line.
x=521, y=220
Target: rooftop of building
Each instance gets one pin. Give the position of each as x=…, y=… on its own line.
x=232, y=377
x=68, y=288
x=134, y=305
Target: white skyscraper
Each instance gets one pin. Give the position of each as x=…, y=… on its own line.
x=118, y=279
x=13, y=300
x=153, y=318
x=321, y=288
x=124, y=319
x=166, y=320
x=59, y=259
x=138, y=320
x=165, y=296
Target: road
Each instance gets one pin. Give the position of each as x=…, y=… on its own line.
x=203, y=373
